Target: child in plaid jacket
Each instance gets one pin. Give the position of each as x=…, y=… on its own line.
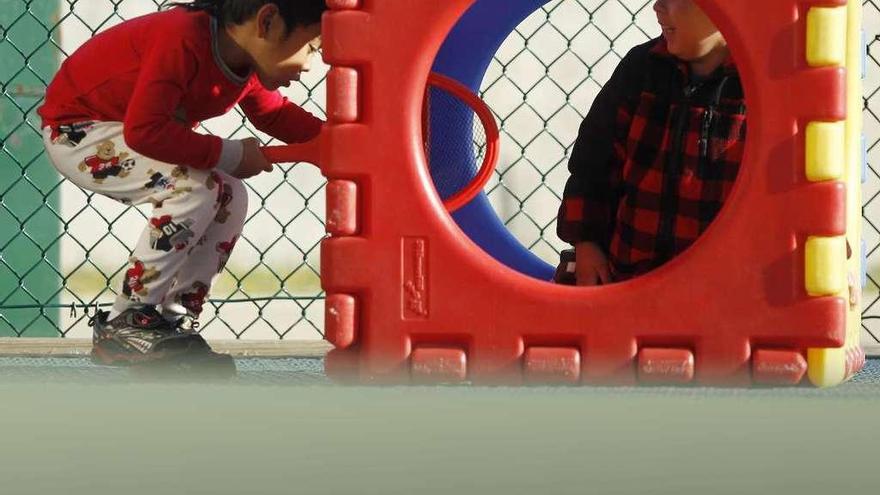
x=657, y=155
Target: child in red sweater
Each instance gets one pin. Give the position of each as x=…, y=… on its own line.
x=118, y=120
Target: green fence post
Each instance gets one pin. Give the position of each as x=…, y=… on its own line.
x=29, y=186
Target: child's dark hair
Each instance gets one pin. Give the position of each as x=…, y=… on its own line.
x=294, y=12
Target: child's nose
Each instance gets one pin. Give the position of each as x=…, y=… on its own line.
x=660, y=6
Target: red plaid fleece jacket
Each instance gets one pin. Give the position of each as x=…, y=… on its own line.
x=654, y=160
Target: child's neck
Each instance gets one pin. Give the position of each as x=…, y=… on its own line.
x=707, y=64
x=232, y=52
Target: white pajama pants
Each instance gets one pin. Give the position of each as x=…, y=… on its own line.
x=197, y=215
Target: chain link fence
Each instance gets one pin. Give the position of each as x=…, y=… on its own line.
x=63, y=249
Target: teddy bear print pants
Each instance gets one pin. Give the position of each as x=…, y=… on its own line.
x=197, y=215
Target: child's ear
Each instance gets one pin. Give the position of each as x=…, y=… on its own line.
x=265, y=16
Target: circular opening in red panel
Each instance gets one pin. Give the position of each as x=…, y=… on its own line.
x=641, y=171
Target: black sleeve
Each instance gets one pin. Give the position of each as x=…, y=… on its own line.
x=590, y=198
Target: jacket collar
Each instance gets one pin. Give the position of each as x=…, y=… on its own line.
x=661, y=50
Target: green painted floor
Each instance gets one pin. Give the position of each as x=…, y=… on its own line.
x=69, y=427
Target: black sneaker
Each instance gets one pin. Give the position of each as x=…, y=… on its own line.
x=143, y=337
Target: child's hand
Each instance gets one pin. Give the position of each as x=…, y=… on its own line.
x=252, y=160
x=591, y=265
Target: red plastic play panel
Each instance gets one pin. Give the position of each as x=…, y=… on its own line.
x=409, y=295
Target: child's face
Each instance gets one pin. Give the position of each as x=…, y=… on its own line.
x=689, y=33
x=282, y=56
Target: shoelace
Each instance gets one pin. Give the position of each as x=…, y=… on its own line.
x=93, y=319
x=186, y=324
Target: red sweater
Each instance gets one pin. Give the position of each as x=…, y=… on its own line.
x=160, y=76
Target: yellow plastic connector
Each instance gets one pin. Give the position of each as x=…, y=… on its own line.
x=826, y=36
x=825, y=273
x=829, y=367
x=826, y=151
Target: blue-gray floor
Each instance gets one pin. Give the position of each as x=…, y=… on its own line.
x=309, y=372
x=255, y=371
